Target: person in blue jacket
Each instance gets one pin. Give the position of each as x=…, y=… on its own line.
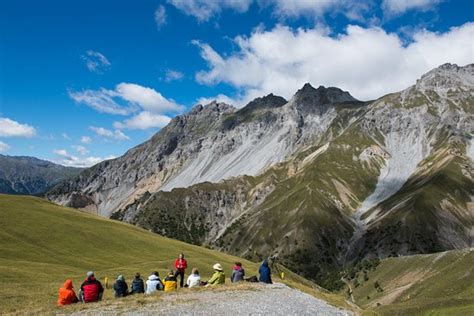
x=265, y=273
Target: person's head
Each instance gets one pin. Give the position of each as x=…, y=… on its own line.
x=137, y=275
x=171, y=272
x=265, y=263
x=181, y=256
x=120, y=278
x=195, y=271
x=217, y=267
x=90, y=274
x=156, y=273
x=238, y=264
x=68, y=284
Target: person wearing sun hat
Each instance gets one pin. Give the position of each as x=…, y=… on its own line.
x=218, y=277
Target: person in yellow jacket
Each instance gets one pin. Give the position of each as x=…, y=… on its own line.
x=218, y=277
x=170, y=282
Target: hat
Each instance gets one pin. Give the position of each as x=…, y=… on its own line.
x=90, y=274
x=218, y=267
x=120, y=278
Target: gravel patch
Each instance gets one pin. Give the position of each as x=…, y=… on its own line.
x=275, y=299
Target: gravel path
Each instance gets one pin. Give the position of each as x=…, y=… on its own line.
x=276, y=299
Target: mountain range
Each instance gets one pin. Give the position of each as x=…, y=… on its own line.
x=321, y=181
x=29, y=175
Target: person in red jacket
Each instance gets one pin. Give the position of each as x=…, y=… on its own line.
x=66, y=294
x=91, y=289
x=180, y=264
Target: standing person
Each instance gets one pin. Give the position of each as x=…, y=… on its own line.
x=265, y=273
x=194, y=279
x=171, y=284
x=66, y=294
x=218, y=277
x=238, y=273
x=120, y=287
x=154, y=284
x=180, y=264
x=137, y=285
x=91, y=289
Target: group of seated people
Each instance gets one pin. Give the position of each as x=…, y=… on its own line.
x=91, y=289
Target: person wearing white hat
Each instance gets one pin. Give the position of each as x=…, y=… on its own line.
x=218, y=277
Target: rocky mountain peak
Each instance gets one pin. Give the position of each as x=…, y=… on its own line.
x=322, y=95
x=269, y=101
x=447, y=76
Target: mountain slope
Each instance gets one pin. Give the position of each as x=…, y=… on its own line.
x=437, y=284
x=209, y=143
x=29, y=175
x=394, y=177
x=42, y=244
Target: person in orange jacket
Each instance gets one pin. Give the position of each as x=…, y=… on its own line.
x=66, y=294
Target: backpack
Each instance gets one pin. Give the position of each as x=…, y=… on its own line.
x=252, y=279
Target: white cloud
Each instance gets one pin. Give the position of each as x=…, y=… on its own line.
x=95, y=61
x=117, y=134
x=66, y=159
x=396, y=7
x=80, y=149
x=4, y=147
x=11, y=128
x=160, y=16
x=86, y=140
x=101, y=100
x=66, y=136
x=173, y=75
x=135, y=96
x=144, y=120
x=368, y=62
x=147, y=98
x=204, y=10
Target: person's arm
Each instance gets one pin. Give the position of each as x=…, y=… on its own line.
x=176, y=263
x=213, y=279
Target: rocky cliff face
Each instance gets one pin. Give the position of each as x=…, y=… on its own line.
x=29, y=175
x=321, y=181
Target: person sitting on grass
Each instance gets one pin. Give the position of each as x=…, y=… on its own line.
x=170, y=283
x=66, y=294
x=218, y=277
x=120, y=287
x=154, y=283
x=265, y=273
x=194, y=279
x=238, y=273
x=91, y=289
x=138, y=286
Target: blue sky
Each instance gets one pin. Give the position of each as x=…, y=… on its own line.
x=82, y=81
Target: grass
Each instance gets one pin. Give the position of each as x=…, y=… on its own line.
x=435, y=284
x=42, y=244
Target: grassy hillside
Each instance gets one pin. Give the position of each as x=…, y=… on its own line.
x=42, y=244
x=435, y=284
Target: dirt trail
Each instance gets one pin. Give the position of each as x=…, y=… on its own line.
x=276, y=299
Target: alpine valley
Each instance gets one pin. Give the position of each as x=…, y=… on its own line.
x=321, y=181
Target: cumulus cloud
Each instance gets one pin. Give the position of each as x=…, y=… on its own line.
x=203, y=10
x=147, y=98
x=86, y=140
x=66, y=159
x=368, y=62
x=95, y=61
x=4, y=147
x=125, y=99
x=396, y=7
x=11, y=128
x=81, y=150
x=144, y=120
x=160, y=16
x=108, y=134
